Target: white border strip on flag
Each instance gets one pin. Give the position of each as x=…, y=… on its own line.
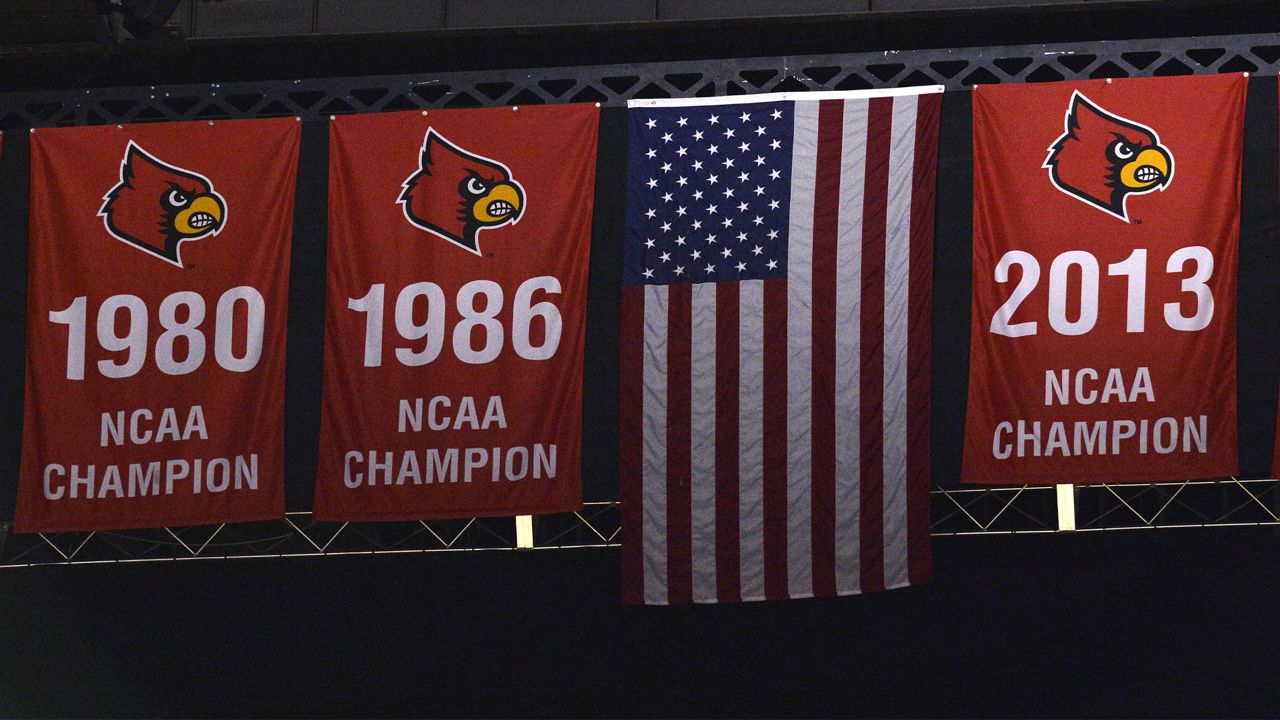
x=782, y=96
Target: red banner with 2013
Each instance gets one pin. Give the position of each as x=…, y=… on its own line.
x=1106, y=224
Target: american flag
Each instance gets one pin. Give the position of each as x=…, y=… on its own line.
x=775, y=346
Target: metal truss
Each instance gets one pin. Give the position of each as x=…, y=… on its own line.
x=1043, y=509
x=613, y=85
x=297, y=535
x=955, y=511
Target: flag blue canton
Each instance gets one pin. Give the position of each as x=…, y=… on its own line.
x=709, y=190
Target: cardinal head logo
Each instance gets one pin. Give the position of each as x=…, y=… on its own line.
x=157, y=206
x=456, y=194
x=1103, y=159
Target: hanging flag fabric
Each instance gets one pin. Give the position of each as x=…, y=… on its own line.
x=1275, y=455
x=775, y=346
x=158, y=287
x=455, y=319
x=1106, y=228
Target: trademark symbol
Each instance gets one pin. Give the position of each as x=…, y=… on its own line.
x=1137, y=222
x=488, y=254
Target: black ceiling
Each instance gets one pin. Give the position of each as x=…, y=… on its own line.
x=26, y=25
x=56, y=44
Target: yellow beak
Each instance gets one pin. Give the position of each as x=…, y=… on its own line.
x=502, y=203
x=1150, y=168
x=203, y=215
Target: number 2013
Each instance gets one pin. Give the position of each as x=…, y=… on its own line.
x=1132, y=268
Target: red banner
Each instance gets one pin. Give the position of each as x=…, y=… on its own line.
x=158, y=285
x=1106, y=224
x=454, y=325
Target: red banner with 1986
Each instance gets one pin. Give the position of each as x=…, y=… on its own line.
x=454, y=326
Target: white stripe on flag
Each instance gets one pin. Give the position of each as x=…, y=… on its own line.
x=751, y=437
x=897, y=273
x=848, y=300
x=804, y=161
x=702, y=443
x=654, y=489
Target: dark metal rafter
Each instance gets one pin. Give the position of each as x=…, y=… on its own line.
x=955, y=68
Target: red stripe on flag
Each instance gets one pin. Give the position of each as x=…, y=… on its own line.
x=631, y=445
x=919, y=350
x=775, y=440
x=871, y=420
x=728, y=556
x=826, y=228
x=679, y=395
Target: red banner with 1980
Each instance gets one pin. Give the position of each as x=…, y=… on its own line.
x=159, y=279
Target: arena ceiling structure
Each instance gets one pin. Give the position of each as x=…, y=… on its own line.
x=75, y=62
x=204, y=37
x=61, y=43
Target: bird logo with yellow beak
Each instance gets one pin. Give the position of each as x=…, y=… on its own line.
x=454, y=194
x=1103, y=159
x=157, y=206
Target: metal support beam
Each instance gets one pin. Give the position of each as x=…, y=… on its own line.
x=613, y=85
